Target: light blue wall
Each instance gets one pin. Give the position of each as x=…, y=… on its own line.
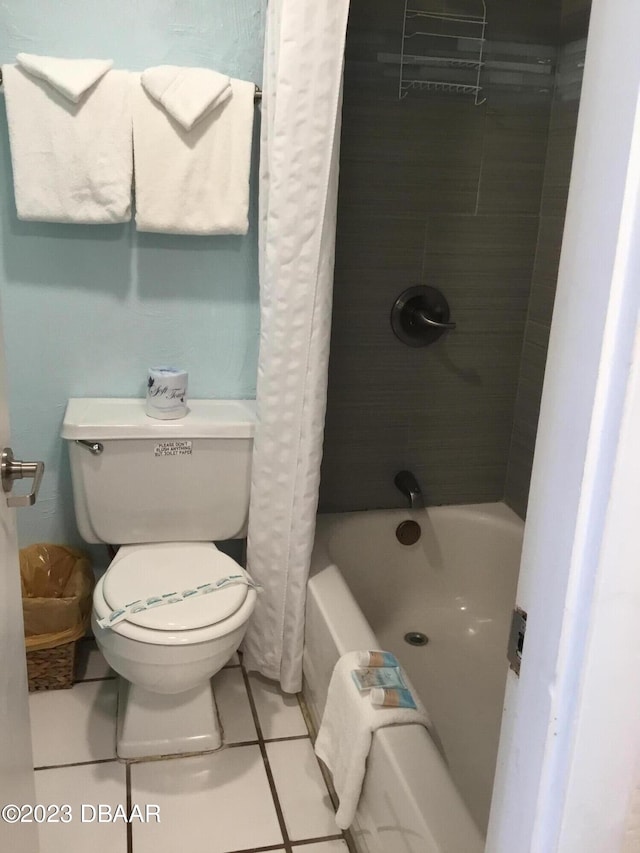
x=88, y=309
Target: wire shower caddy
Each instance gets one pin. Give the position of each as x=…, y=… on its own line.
x=462, y=37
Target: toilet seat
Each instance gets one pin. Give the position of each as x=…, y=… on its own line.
x=140, y=571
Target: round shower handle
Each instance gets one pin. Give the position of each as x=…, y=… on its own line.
x=420, y=315
x=435, y=324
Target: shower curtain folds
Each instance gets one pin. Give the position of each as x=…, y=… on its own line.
x=300, y=136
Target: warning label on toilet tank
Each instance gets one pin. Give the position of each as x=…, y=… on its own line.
x=173, y=448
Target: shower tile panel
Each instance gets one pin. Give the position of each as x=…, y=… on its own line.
x=575, y=19
x=477, y=245
x=527, y=409
x=447, y=370
x=418, y=130
x=434, y=190
x=427, y=451
x=537, y=334
x=361, y=458
x=533, y=22
x=373, y=19
x=564, y=115
x=519, y=473
x=513, y=159
x=534, y=358
x=541, y=304
x=377, y=386
x=483, y=363
x=545, y=270
x=411, y=157
x=374, y=241
x=451, y=400
x=562, y=134
x=508, y=21
x=406, y=190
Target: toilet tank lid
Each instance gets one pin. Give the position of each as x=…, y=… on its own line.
x=119, y=418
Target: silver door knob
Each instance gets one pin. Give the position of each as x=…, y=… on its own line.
x=11, y=469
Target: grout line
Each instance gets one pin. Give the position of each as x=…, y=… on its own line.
x=274, y=847
x=290, y=737
x=91, y=680
x=129, y=824
x=482, y=157
x=267, y=767
x=75, y=764
x=425, y=243
x=336, y=837
x=306, y=716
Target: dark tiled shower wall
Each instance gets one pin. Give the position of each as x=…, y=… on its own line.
x=574, y=19
x=439, y=191
x=562, y=132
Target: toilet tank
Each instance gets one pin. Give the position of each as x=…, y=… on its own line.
x=137, y=479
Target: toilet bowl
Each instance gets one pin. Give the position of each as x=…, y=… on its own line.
x=168, y=654
x=166, y=489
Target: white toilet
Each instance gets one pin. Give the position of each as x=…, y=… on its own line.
x=162, y=490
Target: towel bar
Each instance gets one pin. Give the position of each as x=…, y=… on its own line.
x=257, y=96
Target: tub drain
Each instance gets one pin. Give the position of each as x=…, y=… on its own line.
x=408, y=532
x=416, y=638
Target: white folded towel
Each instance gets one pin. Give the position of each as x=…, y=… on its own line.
x=193, y=181
x=70, y=135
x=348, y=723
x=187, y=94
x=71, y=77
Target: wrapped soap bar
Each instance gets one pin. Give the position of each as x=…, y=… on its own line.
x=376, y=658
x=392, y=697
x=378, y=676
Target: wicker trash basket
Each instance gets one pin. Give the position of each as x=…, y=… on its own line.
x=57, y=585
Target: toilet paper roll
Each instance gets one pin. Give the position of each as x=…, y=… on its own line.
x=166, y=393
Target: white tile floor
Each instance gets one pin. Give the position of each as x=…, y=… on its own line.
x=263, y=792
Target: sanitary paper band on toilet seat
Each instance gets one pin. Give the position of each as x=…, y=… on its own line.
x=174, y=598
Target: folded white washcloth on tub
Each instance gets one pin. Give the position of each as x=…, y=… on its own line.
x=192, y=181
x=347, y=727
x=70, y=133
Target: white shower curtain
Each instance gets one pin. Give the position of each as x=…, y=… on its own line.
x=301, y=103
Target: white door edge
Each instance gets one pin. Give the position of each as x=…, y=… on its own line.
x=577, y=516
x=17, y=780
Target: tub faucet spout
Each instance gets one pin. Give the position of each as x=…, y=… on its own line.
x=406, y=482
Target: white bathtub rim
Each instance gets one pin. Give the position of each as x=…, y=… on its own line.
x=497, y=513
x=350, y=631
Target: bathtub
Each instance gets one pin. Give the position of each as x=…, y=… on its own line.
x=457, y=586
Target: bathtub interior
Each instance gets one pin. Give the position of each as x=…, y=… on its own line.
x=456, y=585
